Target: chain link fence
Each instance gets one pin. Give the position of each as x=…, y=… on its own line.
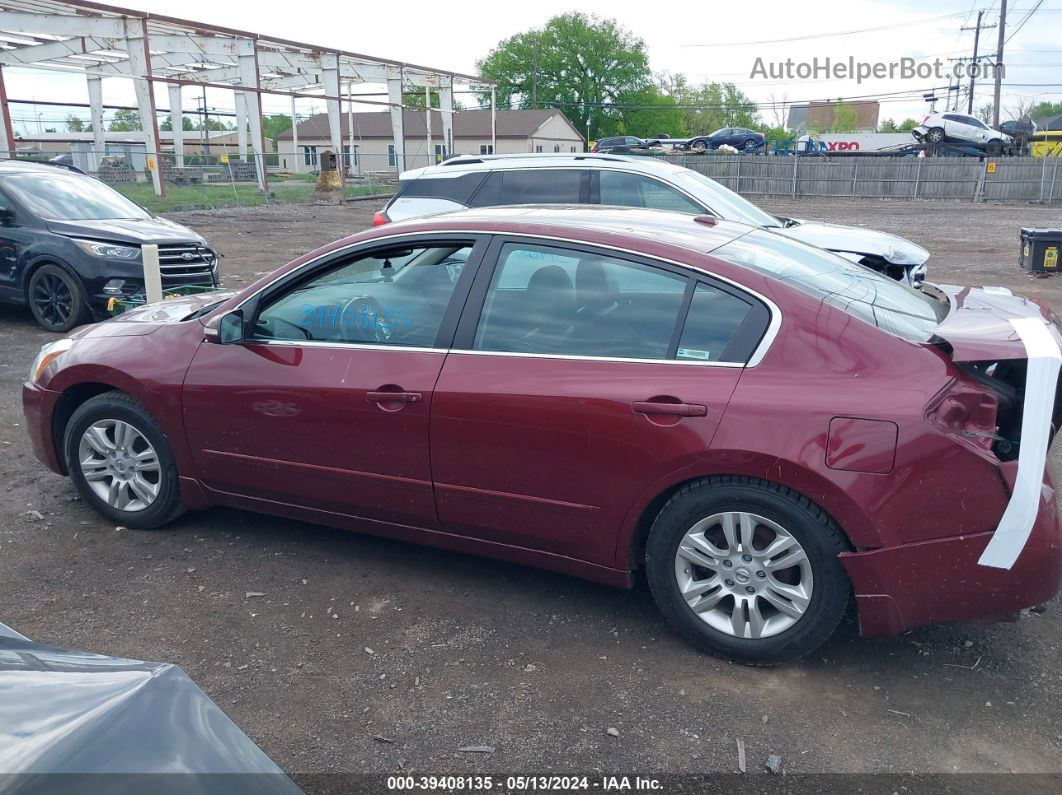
x=220, y=179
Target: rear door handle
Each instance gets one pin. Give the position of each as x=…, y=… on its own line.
x=393, y=397
x=673, y=409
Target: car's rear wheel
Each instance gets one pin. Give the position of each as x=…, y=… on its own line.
x=56, y=298
x=121, y=462
x=750, y=144
x=747, y=569
x=935, y=135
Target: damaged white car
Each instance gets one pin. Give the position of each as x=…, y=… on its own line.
x=492, y=180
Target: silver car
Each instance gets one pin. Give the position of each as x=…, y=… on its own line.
x=492, y=180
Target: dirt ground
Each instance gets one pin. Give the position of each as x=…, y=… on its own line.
x=371, y=655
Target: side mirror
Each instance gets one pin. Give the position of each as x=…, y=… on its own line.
x=227, y=329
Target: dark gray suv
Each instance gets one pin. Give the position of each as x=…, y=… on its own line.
x=69, y=243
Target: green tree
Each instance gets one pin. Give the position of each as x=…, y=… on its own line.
x=653, y=113
x=890, y=126
x=1045, y=110
x=579, y=63
x=77, y=124
x=186, y=124
x=125, y=121
x=274, y=124
x=711, y=106
x=845, y=118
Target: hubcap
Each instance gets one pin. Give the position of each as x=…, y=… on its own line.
x=52, y=299
x=744, y=575
x=120, y=465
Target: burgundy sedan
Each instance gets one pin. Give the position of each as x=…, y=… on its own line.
x=764, y=428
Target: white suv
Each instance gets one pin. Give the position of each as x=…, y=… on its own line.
x=492, y=180
x=959, y=128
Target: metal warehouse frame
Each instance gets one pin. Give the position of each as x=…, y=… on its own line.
x=102, y=41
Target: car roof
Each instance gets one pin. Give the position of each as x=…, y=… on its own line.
x=587, y=223
x=28, y=167
x=464, y=164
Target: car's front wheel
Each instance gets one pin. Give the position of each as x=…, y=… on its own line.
x=747, y=569
x=699, y=146
x=935, y=135
x=121, y=462
x=56, y=298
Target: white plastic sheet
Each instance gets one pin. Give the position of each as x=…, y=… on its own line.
x=1045, y=358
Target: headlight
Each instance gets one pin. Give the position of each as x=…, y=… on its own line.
x=98, y=249
x=48, y=354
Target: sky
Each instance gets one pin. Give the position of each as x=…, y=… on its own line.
x=706, y=42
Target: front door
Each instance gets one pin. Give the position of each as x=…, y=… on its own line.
x=326, y=404
x=577, y=380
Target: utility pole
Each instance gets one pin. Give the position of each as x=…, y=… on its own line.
x=206, y=126
x=973, y=61
x=534, y=73
x=999, y=61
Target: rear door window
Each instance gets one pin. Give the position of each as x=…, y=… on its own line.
x=571, y=302
x=533, y=186
x=713, y=325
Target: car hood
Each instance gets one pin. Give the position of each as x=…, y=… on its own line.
x=128, y=230
x=75, y=715
x=149, y=317
x=978, y=325
x=855, y=240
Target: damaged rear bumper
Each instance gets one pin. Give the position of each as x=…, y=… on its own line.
x=898, y=588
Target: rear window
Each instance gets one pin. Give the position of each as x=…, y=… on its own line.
x=879, y=300
x=531, y=186
x=457, y=189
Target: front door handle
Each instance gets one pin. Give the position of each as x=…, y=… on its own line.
x=394, y=397
x=672, y=409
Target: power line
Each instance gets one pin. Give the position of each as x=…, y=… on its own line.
x=829, y=35
x=1024, y=20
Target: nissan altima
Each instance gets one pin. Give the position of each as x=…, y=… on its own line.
x=764, y=430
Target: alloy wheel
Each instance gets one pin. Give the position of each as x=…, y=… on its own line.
x=744, y=575
x=119, y=465
x=52, y=298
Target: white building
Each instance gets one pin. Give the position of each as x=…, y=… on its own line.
x=517, y=132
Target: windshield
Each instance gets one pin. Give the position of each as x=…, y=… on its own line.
x=63, y=197
x=723, y=202
x=879, y=300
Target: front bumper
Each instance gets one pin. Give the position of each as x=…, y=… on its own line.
x=38, y=407
x=929, y=582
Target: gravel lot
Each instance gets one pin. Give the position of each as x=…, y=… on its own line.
x=371, y=655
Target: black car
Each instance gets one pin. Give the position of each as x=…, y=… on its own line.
x=741, y=138
x=618, y=144
x=69, y=243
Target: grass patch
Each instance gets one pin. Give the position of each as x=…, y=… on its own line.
x=209, y=197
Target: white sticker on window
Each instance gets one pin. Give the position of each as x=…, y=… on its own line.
x=693, y=353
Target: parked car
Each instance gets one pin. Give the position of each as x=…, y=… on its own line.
x=474, y=181
x=762, y=426
x=77, y=722
x=959, y=128
x=741, y=138
x=69, y=243
x=621, y=143
x=1018, y=128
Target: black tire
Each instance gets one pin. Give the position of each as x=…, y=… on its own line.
x=820, y=538
x=121, y=407
x=935, y=135
x=699, y=146
x=994, y=147
x=56, y=298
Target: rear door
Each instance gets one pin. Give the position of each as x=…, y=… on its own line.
x=579, y=377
